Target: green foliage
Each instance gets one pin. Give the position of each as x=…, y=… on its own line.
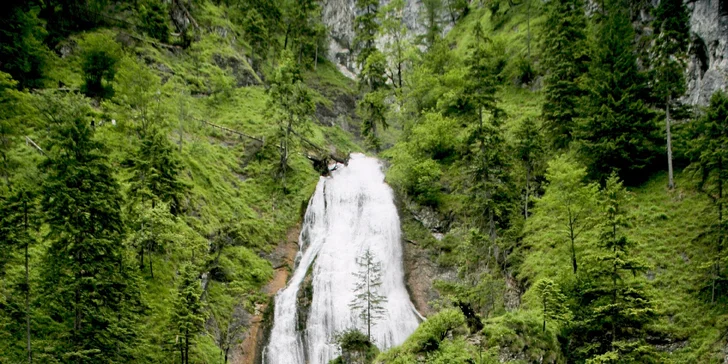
x=88, y=286
x=22, y=53
x=619, y=306
x=619, y=131
x=553, y=302
x=564, y=49
x=708, y=157
x=100, y=56
x=520, y=334
x=569, y=202
x=153, y=14
x=371, y=108
x=366, y=27
x=290, y=106
x=428, y=340
x=188, y=316
x=355, y=347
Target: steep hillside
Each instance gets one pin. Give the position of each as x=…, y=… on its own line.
x=497, y=282
x=205, y=89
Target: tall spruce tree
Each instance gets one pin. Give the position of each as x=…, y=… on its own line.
x=565, y=61
x=530, y=150
x=618, y=304
x=19, y=225
x=88, y=286
x=552, y=301
x=368, y=301
x=569, y=201
x=188, y=311
x=372, y=107
x=489, y=150
x=290, y=105
x=672, y=31
x=366, y=28
x=618, y=132
x=709, y=160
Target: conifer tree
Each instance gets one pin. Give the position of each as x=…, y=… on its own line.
x=618, y=132
x=569, y=201
x=155, y=172
x=257, y=34
x=368, y=301
x=366, y=28
x=372, y=107
x=530, y=150
x=88, y=285
x=491, y=165
x=553, y=302
x=709, y=160
x=395, y=47
x=290, y=105
x=431, y=18
x=10, y=115
x=669, y=61
x=188, y=311
x=619, y=305
x=19, y=224
x=565, y=60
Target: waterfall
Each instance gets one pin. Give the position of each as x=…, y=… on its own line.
x=350, y=212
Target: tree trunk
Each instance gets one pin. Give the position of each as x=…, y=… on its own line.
x=671, y=182
x=528, y=191
x=716, y=267
x=528, y=29
x=27, y=285
x=544, y=315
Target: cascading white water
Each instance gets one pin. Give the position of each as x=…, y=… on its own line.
x=350, y=212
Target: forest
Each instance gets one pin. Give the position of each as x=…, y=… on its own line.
x=561, y=197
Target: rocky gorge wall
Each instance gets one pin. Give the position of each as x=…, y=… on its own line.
x=707, y=69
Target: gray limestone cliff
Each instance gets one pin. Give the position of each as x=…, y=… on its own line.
x=707, y=69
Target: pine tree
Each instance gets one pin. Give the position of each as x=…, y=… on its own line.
x=100, y=56
x=565, y=61
x=553, y=302
x=431, y=19
x=155, y=172
x=569, y=201
x=709, y=160
x=395, y=47
x=11, y=113
x=489, y=150
x=368, y=301
x=366, y=28
x=188, y=311
x=619, y=132
x=290, y=105
x=19, y=224
x=88, y=285
x=257, y=35
x=372, y=107
x=530, y=151
x=672, y=30
x=619, y=306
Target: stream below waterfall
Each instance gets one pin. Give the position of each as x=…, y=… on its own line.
x=351, y=211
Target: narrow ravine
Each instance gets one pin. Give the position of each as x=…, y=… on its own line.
x=350, y=212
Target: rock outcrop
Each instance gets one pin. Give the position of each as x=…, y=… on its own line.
x=708, y=68
x=338, y=16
